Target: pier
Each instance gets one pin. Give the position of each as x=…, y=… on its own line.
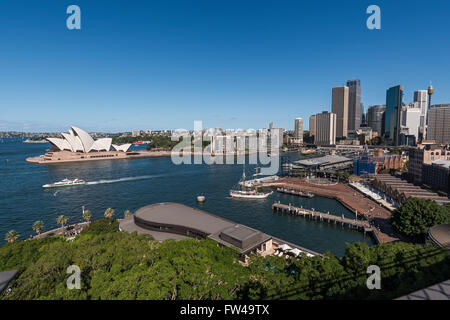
x=306, y=194
x=350, y=198
x=323, y=217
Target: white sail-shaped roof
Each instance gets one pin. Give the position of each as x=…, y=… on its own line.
x=86, y=139
x=74, y=142
x=61, y=144
x=78, y=140
x=122, y=147
x=101, y=145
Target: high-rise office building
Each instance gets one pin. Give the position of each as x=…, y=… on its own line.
x=439, y=123
x=375, y=118
x=298, y=131
x=325, y=129
x=339, y=106
x=421, y=99
x=392, y=122
x=312, y=126
x=354, y=104
x=411, y=120
x=362, y=122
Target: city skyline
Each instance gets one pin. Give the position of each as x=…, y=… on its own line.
x=232, y=66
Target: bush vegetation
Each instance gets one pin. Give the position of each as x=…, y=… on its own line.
x=415, y=216
x=118, y=265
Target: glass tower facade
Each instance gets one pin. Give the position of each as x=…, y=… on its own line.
x=392, y=125
x=354, y=104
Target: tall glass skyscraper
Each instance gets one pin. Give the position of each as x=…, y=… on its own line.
x=393, y=112
x=354, y=104
x=375, y=118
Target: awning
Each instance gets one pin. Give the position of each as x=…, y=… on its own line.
x=295, y=252
x=285, y=247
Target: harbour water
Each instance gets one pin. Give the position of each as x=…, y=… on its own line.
x=131, y=184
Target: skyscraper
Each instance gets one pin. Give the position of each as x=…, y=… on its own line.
x=362, y=123
x=298, y=132
x=392, y=123
x=354, y=104
x=375, y=118
x=325, y=129
x=411, y=120
x=421, y=98
x=439, y=123
x=312, y=125
x=339, y=106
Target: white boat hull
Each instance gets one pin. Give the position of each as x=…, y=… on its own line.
x=65, y=183
x=242, y=195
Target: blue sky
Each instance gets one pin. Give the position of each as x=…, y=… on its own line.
x=233, y=64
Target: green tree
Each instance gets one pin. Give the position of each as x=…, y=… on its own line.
x=38, y=226
x=87, y=215
x=62, y=220
x=109, y=213
x=127, y=213
x=12, y=236
x=415, y=216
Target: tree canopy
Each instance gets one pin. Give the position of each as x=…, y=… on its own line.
x=415, y=216
x=119, y=265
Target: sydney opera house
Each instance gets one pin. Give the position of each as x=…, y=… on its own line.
x=78, y=145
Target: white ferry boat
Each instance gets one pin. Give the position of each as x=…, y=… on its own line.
x=65, y=183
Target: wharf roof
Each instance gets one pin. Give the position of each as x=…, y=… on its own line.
x=217, y=228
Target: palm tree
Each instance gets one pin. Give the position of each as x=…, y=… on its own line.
x=12, y=236
x=109, y=213
x=87, y=215
x=127, y=213
x=61, y=220
x=38, y=226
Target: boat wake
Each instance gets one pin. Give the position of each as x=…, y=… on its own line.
x=122, y=179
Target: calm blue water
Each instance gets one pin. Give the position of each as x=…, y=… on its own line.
x=131, y=184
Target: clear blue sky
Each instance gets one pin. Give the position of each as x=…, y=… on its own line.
x=233, y=64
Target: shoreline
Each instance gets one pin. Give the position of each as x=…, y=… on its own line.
x=68, y=157
x=350, y=199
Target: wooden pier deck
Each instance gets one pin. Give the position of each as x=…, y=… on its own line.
x=323, y=217
x=306, y=194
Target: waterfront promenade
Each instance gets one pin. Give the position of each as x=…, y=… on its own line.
x=66, y=231
x=351, y=199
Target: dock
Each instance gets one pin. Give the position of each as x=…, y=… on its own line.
x=305, y=194
x=323, y=217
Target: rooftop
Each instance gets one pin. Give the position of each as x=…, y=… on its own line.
x=442, y=163
x=179, y=214
x=440, y=235
x=439, y=291
x=170, y=214
x=6, y=277
x=329, y=159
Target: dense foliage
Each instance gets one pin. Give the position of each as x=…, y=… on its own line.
x=415, y=216
x=162, y=142
x=118, y=265
x=130, y=139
